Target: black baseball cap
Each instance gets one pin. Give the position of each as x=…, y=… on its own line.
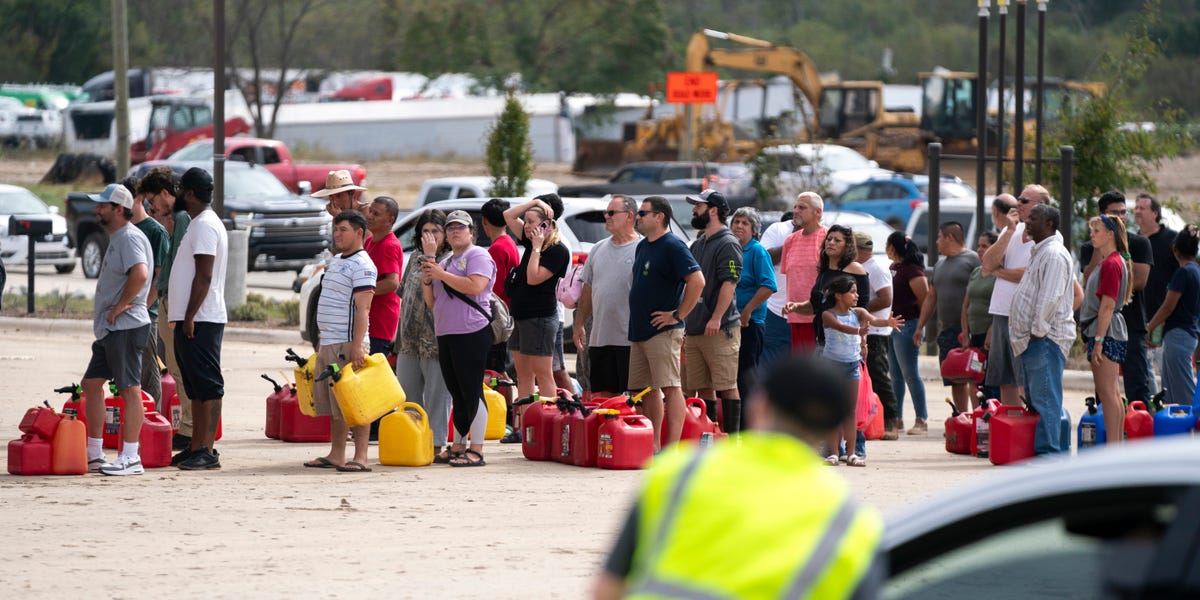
x=198, y=180
x=711, y=198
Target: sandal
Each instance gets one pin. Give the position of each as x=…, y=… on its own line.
x=445, y=456
x=354, y=467
x=831, y=460
x=856, y=461
x=464, y=459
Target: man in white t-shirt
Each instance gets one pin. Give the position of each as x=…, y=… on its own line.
x=880, y=305
x=1007, y=260
x=196, y=309
x=608, y=275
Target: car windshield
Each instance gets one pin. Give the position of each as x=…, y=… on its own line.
x=246, y=183
x=21, y=202
x=836, y=158
x=196, y=151
x=949, y=189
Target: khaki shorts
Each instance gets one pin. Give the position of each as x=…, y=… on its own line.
x=323, y=398
x=655, y=362
x=712, y=361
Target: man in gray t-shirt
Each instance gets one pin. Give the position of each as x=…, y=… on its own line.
x=948, y=287
x=607, y=276
x=122, y=327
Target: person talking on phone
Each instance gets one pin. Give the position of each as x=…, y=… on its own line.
x=530, y=289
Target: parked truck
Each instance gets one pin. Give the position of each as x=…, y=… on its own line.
x=301, y=178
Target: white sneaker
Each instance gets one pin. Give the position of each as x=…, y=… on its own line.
x=124, y=465
x=94, y=464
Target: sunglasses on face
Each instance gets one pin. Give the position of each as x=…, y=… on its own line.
x=1024, y=200
x=610, y=213
x=456, y=227
x=642, y=213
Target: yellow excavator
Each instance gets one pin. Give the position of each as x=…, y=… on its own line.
x=850, y=113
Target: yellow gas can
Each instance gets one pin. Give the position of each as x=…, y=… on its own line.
x=304, y=381
x=366, y=394
x=405, y=439
x=497, y=413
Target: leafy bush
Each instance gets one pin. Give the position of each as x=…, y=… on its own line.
x=250, y=311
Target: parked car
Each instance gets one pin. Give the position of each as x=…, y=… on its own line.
x=449, y=188
x=581, y=226
x=804, y=167
x=52, y=249
x=286, y=231
x=1112, y=522
x=686, y=174
x=300, y=178
x=961, y=210
x=21, y=124
x=893, y=199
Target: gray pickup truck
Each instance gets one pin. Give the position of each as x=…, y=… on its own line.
x=286, y=231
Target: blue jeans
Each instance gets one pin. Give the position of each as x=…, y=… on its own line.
x=1178, y=379
x=777, y=340
x=1043, y=363
x=903, y=369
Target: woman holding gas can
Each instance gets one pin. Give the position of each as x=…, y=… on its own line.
x=458, y=290
x=1179, y=313
x=530, y=289
x=1108, y=290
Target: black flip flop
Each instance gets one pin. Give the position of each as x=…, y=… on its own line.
x=354, y=467
x=322, y=463
x=469, y=463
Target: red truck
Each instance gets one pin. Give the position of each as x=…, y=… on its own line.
x=274, y=155
x=176, y=121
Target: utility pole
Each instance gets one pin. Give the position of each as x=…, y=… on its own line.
x=1041, y=91
x=120, y=43
x=980, y=115
x=1019, y=99
x=1000, y=87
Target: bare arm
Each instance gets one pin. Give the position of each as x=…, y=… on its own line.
x=1141, y=272
x=775, y=253
x=883, y=299
x=135, y=279
x=152, y=297
x=1108, y=305
x=927, y=308
x=759, y=297
x=1013, y=275
x=387, y=283
x=1164, y=311
x=724, y=299
x=994, y=257
x=535, y=273
x=693, y=285
x=866, y=317
x=583, y=311
x=1078, y=300
x=513, y=215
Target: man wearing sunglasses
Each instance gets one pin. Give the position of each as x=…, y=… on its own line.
x=1139, y=379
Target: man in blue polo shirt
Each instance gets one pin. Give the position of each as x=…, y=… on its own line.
x=666, y=286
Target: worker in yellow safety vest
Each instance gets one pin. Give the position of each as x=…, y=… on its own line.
x=761, y=519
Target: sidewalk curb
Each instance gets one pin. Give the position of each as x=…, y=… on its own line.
x=81, y=326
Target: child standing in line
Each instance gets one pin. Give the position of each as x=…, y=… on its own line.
x=845, y=341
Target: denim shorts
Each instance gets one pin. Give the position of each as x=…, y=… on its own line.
x=534, y=337
x=1114, y=350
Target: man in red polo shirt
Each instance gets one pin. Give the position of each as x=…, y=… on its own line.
x=798, y=260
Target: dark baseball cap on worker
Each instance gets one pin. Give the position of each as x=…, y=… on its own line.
x=711, y=198
x=198, y=180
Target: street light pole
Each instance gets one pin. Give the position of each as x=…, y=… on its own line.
x=981, y=113
x=120, y=42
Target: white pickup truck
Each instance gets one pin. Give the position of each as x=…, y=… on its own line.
x=450, y=188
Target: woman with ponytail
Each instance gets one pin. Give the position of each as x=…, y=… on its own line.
x=909, y=287
x=1108, y=289
x=1180, y=313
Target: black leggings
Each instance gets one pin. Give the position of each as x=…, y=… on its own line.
x=462, y=358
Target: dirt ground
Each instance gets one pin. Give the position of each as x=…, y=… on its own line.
x=265, y=526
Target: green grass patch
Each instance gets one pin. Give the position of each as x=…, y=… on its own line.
x=53, y=194
x=54, y=304
x=259, y=308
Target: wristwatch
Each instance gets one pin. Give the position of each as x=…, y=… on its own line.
x=675, y=315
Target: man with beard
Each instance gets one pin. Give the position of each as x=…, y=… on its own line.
x=713, y=329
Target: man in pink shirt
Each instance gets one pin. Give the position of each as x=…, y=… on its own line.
x=798, y=261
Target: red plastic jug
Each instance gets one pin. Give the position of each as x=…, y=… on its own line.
x=964, y=365
x=273, y=402
x=69, y=448
x=74, y=406
x=958, y=431
x=568, y=423
x=29, y=455
x=114, y=406
x=295, y=426
x=1011, y=434
x=537, y=429
x=624, y=442
x=173, y=411
x=1139, y=423
x=154, y=441
x=695, y=422
x=980, y=428
x=168, y=391
x=40, y=421
x=584, y=439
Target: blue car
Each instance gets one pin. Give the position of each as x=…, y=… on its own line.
x=892, y=199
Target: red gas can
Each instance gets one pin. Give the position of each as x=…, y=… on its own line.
x=958, y=431
x=273, y=401
x=29, y=455
x=73, y=407
x=154, y=442
x=583, y=439
x=295, y=426
x=568, y=423
x=980, y=428
x=1139, y=423
x=695, y=422
x=537, y=430
x=69, y=448
x=1011, y=434
x=624, y=442
x=40, y=421
x=114, y=406
x=168, y=391
x=173, y=411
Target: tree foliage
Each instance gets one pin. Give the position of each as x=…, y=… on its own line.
x=509, y=151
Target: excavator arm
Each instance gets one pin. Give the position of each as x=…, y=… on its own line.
x=761, y=56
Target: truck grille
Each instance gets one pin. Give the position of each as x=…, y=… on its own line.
x=290, y=226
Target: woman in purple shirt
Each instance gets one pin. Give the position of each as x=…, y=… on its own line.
x=463, y=330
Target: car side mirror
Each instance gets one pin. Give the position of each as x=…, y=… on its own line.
x=305, y=188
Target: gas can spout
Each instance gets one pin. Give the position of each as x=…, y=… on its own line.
x=296, y=358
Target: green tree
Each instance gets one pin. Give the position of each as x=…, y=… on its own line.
x=509, y=151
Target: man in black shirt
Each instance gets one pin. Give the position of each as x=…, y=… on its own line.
x=1139, y=379
x=1147, y=213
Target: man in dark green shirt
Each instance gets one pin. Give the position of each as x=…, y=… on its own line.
x=159, y=243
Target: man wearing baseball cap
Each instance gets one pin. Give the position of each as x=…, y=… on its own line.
x=341, y=191
x=121, y=323
x=712, y=331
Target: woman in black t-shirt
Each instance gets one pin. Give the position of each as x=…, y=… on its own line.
x=530, y=288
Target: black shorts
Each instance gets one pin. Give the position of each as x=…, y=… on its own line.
x=199, y=360
x=117, y=357
x=609, y=369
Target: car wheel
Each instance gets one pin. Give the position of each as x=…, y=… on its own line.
x=64, y=269
x=92, y=254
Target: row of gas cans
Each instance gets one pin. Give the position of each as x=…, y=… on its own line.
x=50, y=444
x=154, y=440
x=1002, y=434
x=1139, y=422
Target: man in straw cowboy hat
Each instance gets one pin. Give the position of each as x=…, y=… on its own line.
x=341, y=191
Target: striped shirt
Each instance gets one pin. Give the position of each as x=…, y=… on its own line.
x=1042, y=303
x=336, y=309
x=801, y=253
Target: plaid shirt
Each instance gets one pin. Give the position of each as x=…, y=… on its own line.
x=1041, y=305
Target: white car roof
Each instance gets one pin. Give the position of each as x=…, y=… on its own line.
x=534, y=186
